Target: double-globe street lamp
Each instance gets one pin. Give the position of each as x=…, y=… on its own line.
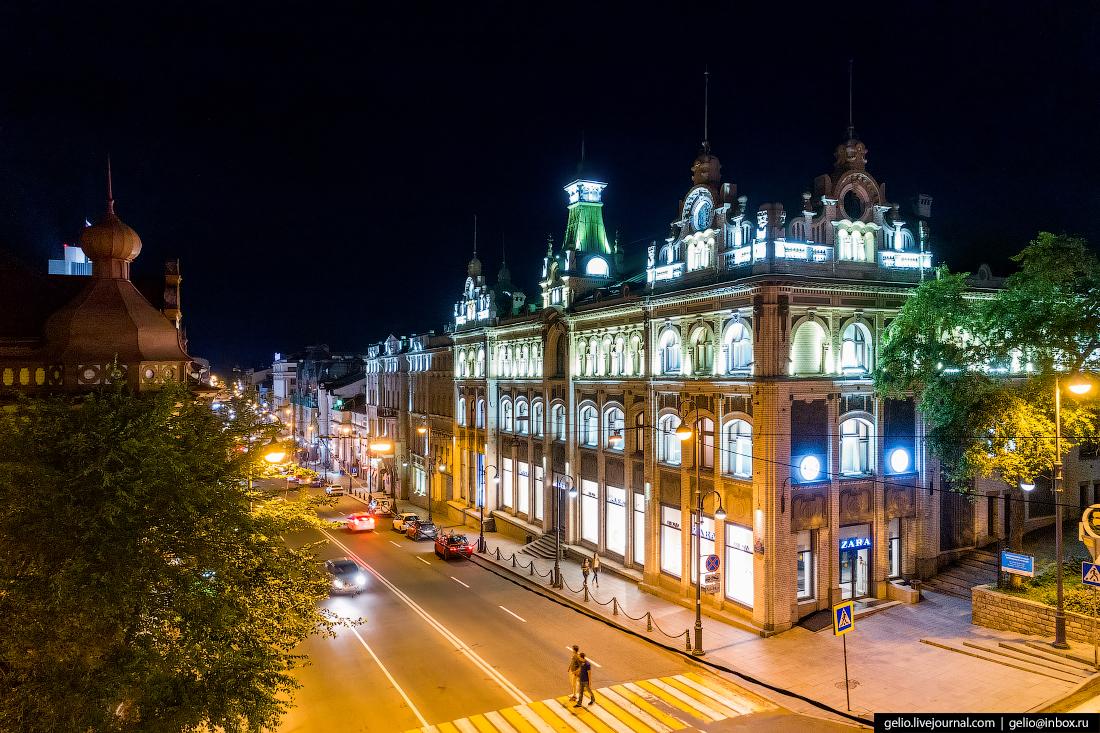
x=563, y=483
x=429, y=463
x=481, y=505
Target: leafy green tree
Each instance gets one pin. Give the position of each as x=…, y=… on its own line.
x=141, y=587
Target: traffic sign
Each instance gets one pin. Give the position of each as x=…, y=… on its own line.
x=1089, y=530
x=713, y=562
x=1090, y=574
x=843, y=621
x=1017, y=564
x=711, y=583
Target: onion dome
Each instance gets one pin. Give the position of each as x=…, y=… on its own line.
x=706, y=170
x=110, y=245
x=851, y=155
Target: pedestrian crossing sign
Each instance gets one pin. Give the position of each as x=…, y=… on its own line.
x=1090, y=574
x=842, y=619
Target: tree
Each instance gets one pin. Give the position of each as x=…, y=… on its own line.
x=139, y=589
x=983, y=365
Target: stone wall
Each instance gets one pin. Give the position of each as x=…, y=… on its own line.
x=995, y=610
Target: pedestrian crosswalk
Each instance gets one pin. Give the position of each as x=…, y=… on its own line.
x=662, y=705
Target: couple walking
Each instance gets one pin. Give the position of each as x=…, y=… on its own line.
x=594, y=567
x=580, y=678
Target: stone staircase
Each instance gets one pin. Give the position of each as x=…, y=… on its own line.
x=543, y=547
x=979, y=567
x=1073, y=666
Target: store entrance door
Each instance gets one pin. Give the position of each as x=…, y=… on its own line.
x=855, y=568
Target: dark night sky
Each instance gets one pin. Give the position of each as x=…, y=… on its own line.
x=316, y=167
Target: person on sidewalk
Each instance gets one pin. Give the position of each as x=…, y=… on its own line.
x=584, y=570
x=596, y=568
x=574, y=671
x=585, y=677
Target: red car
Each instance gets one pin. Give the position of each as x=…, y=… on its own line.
x=453, y=545
x=361, y=522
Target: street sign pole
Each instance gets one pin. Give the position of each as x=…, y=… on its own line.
x=843, y=622
x=847, y=687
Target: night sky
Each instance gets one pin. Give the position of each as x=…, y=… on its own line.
x=317, y=167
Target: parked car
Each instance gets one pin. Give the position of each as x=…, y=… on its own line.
x=382, y=508
x=335, y=490
x=401, y=520
x=453, y=545
x=346, y=576
x=316, y=483
x=361, y=522
x=421, y=529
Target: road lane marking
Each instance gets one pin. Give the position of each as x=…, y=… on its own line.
x=423, y=561
x=469, y=653
x=519, y=617
x=459, y=581
x=594, y=663
x=394, y=543
x=392, y=680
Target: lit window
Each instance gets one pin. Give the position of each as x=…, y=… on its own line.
x=704, y=442
x=670, y=353
x=670, y=441
x=738, y=448
x=589, y=426
x=614, y=420
x=536, y=419
x=596, y=266
x=702, y=352
x=506, y=416
x=854, y=350
x=618, y=358
x=557, y=417
x=639, y=437
x=481, y=413
x=855, y=447
x=522, y=418
x=738, y=348
x=460, y=412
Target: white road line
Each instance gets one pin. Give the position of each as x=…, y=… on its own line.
x=569, y=718
x=634, y=710
x=594, y=663
x=519, y=617
x=533, y=718
x=458, y=581
x=392, y=680
x=394, y=543
x=423, y=561
x=499, y=722
x=469, y=653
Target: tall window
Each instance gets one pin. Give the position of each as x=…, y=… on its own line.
x=506, y=415
x=460, y=411
x=613, y=419
x=738, y=348
x=639, y=529
x=590, y=511
x=855, y=447
x=670, y=353
x=557, y=418
x=702, y=352
x=618, y=358
x=481, y=413
x=670, y=441
x=523, y=419
x=739, y=562
x=479, y=368
x=582, y=356
x=805, y=565
x=639, y=432
x=893, y=536
x=704, y=443
x=737, y=447
x=589, y=426
x=536, y=420
x=855, y=349
x=506, y=484
x=672, y=553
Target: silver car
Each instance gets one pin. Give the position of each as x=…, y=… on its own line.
x=346, y=577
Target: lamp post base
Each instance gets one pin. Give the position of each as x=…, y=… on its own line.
x=698, y=650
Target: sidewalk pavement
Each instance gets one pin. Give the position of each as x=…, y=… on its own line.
x=891, y=670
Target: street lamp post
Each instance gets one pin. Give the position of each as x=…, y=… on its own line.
x=1077, y=387
x=428, y=462
x=566, y=483
x=481, y=505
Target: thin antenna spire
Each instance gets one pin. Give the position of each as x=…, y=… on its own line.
x=503, y=251
x=851, y=127
x=706, y=109
x=582, y=148
x=110, y=188
x=475, y=236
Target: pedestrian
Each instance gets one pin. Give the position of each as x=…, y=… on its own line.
x=596, y=568
x=585, y=677
x=584, y=570
x=574, y=670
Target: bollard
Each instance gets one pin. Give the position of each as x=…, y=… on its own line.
x=614, y=606
x=498, y=553
x=687, y=638
x=648, y=621
x=513, y=559
x=532, y=567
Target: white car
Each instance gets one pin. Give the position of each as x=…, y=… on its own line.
x=401, y=521
x=335, y=490
x=361, y=522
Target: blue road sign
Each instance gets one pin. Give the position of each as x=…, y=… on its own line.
x=712, y=563
x=1012, y=562
x=842, y=619
x=1090, y=574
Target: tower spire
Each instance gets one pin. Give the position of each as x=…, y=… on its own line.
x=503, y=251
x=851, y=127
x=475, y=236
x=706, y=110
x=110, y=188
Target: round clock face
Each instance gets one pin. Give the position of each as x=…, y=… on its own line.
x=701, y=217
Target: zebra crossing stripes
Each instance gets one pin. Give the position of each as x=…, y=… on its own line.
x=647, y=706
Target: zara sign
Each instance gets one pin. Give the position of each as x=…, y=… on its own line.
x=855, y=543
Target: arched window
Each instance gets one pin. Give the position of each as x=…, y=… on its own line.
x=596, y=266
x=855, y=447
x=704, y=442
x=557, y=419
x=481, y=413
x=669, y=440
x=738, y=347
x=614, y=421
x=618, y=358
x=589, y=426
x=808, y=349
x=605, y=357
x=523, y=419
x=462, y=364
x=521, y=367
x=460, y=411
x=798, y=231
x=698, y=256
x=536, y=420
x=737, y=448
x=479, y=368
x=582, y=356
x=506, y=415
x=855, y=349
x=639, y=432
x=670, y=353
x=702, y=351
x=746, y=233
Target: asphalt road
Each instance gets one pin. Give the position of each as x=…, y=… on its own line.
x=443, y=641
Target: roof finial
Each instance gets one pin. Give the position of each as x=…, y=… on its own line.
x=475, y=236
x=582, y=148
x=706, y=109
x=851, y=127
x=110, y=191
x=503, y=251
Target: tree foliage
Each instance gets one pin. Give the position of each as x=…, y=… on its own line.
x=142, y=587
x=983, y=364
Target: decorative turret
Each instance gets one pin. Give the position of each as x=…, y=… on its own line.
x=110, y=244
x=851, y=155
